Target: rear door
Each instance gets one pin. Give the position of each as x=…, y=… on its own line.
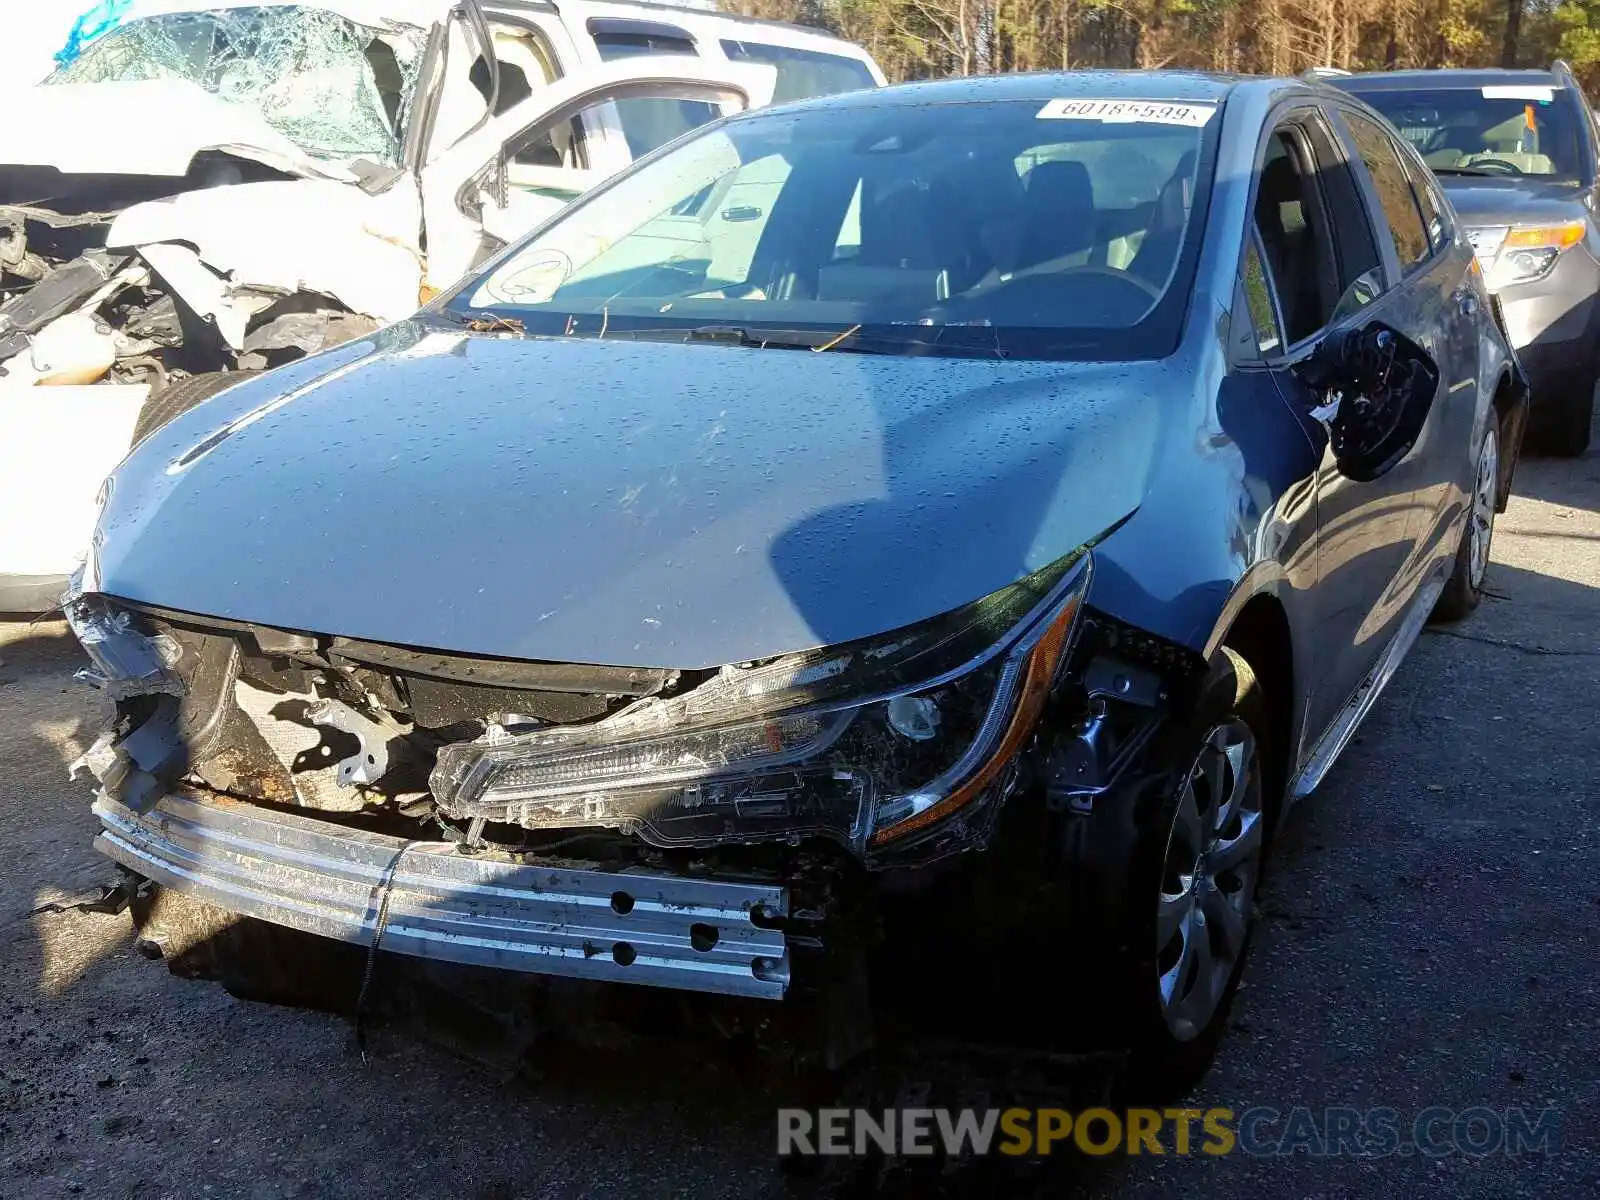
x=487, y=190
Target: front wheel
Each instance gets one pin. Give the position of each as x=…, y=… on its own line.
x=1185, y=887
x=1464, y=589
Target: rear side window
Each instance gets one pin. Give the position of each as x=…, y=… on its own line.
x=803, y=73
x=1411, y=242
x=648, y=123
x=624, y=39
x=1431, y=203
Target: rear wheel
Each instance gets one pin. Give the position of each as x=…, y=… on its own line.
x=1464, y=589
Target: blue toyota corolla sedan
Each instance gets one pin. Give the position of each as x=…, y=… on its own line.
x=901, y=552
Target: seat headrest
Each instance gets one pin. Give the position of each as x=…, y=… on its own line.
x=1177, y=194
x=904, y=229
x=1059, y=212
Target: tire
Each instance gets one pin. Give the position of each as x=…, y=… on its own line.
x=1168, y=993
x=1562, y=431
x=178, y=398
x=1464, y=589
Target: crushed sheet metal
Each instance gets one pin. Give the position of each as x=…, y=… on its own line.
x=295, y=235
x=202, y=290
x=628, y=926
x=120, y=653
x=67, y=128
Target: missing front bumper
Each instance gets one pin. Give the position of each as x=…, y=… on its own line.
x=627, y=926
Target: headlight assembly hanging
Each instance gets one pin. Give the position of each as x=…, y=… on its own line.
x=865, y=743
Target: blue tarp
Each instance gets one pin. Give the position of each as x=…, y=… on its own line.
x=99, y=20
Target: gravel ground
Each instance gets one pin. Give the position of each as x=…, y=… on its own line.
x=1430, y=938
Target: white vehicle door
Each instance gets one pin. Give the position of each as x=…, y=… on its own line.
x=528, y=163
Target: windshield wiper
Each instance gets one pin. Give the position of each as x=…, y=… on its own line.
x=850, y=340
x=816, y=340
x=1470, y=171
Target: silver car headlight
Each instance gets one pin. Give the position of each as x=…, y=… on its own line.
x=865, y=743
x=1530, y=252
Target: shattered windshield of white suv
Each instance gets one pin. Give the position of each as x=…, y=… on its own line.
x=337, y=89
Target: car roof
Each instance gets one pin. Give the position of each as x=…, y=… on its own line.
x=1444, y=80
x=1040, y=87
x=667, y=11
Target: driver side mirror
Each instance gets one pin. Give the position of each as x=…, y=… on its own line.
x=1377, y=387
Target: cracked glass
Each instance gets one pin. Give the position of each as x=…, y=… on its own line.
x=339, y=90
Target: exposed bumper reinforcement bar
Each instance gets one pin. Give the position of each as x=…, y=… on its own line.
x=628, y=926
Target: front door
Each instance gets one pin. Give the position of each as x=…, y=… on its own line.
x=485, y=191
x=1324, y=271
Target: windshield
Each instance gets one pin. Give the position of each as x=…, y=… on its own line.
x=336, y=89
x=1003, y=228
x=1505, y=130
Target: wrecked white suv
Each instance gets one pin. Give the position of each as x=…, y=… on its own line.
x=200, y=190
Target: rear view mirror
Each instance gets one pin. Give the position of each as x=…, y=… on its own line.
x=1377, y=388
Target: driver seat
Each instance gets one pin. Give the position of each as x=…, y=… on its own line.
x=1058, y=218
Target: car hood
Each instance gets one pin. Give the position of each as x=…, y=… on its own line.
x=622, y=503
x=1519, y=202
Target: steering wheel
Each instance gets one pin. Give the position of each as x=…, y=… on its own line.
x=1149, y=290
x=1508, y=168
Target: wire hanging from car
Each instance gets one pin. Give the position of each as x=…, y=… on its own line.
x=383, y=892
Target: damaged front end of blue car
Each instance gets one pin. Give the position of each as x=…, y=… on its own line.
x=750, y=831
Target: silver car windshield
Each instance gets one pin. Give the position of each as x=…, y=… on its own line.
x=338, y=90
x=1012, y=217
x=1498, y=130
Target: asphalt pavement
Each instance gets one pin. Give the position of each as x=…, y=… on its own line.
x=1429, y=946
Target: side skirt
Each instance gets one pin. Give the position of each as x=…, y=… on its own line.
x=1343, y=727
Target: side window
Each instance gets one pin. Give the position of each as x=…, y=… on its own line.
x=1431, y=203
x=1293, y=233
x=1389, y=180
x=1257, y=297
x=647, y=124
x=526, y=66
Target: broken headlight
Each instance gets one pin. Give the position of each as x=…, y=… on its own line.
x=864, y=743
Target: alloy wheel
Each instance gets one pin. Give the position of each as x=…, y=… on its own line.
x=1480, y=528
x=1209, y=873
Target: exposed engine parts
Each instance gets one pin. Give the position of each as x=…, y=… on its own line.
x=342, y=726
